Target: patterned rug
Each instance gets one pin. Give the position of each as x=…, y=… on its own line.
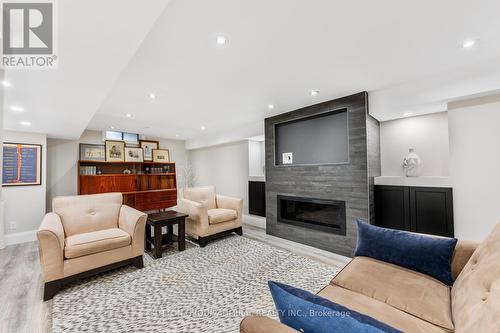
x=198, y=290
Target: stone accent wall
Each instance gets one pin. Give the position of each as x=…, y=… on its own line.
x=351, y=182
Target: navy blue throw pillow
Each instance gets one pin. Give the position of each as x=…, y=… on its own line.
x=311, y=313
x=424, y=254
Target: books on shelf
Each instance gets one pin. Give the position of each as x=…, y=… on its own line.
x=88, y=170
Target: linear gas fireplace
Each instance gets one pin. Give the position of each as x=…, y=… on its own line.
x=318, y=214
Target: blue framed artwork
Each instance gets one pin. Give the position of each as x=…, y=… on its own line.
x=22, y=164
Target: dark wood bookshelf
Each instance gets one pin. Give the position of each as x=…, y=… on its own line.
x=141, y=189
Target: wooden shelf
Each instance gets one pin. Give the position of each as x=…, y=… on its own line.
x=143, y=191
x=129, y=175
x=104, y=162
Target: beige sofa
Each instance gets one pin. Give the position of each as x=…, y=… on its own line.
x=413, y=302
x=88, y=234
x=210, y=215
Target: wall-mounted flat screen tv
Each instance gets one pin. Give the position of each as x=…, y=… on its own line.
x=318, y=139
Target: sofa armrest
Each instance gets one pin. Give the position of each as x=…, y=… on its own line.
x=463, y=251
x=197, y=212
x=50, y=236
x=262, y=324
x=230, y=203
x=133, y=222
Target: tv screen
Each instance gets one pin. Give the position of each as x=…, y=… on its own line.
x=319, y=139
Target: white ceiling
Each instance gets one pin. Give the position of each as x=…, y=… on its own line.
x=408, y=55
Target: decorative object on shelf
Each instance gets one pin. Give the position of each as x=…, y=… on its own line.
x=161, y=155
x=115, y=151
x=91, y=152
x=166, y=168
x=22, y=164
x=99, y=172
x=127, y=172
x=133, y=154
x=88, y=170
x=146, y=170
x=411, y=164
x=148, y=146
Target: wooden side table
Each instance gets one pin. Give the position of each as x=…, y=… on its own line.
x=159, y=241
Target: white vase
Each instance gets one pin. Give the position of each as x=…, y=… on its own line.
x=411, y=164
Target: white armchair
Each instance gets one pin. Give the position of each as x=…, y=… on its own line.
x=210, y=215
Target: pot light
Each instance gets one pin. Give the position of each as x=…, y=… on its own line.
x=17, y=108
x=270, y=106
x=203, y=128
x=221, y=40
x=152, y=96
x=129, y=115
x=467, y=44
x=407, y=114
x=314, y=92
x=112, y=127
x=6, y=83
x=25, y=123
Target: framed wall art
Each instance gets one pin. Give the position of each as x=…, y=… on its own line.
x=134, y=154
x=22, y=164
x=148, y=146
x=115, y=151
x=92, y=152
x=161, y=155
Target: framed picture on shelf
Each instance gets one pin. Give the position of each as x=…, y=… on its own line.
x=148, y=146
x=134, y=154
x=91, y=152
x=115, y=151
x=161, y=155
x=22, y=164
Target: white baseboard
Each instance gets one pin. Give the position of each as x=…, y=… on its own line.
x=256, y=221
x=20, y=237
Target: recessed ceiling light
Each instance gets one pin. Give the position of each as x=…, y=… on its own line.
x=112, y=127
x=129, y=115
x=25, y=123
x=407, y=114
x=203, y=128
x=467, y=44
x=177, y=135
x=152, y=96
x=221, y=40
x=314, y=92
x=271, y=106
x=17, y=108
x=6, y=83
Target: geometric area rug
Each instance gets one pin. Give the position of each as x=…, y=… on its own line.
x=206, y=289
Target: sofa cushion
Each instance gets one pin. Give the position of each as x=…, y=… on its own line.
x=378, y=310
x=306, y=312
x=476, y=292
x=421, y=253
x=220, y=215
x=86, y=213
x=415, y=293
x=204, y=195
x=94, y=242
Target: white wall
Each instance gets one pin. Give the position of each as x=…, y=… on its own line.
x=226, y=167
x=256, y=159
x=427, y=134
x=25, y=205
x=63, y=156
x=474, y=167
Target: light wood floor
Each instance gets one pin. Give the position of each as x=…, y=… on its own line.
x=21, y=306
